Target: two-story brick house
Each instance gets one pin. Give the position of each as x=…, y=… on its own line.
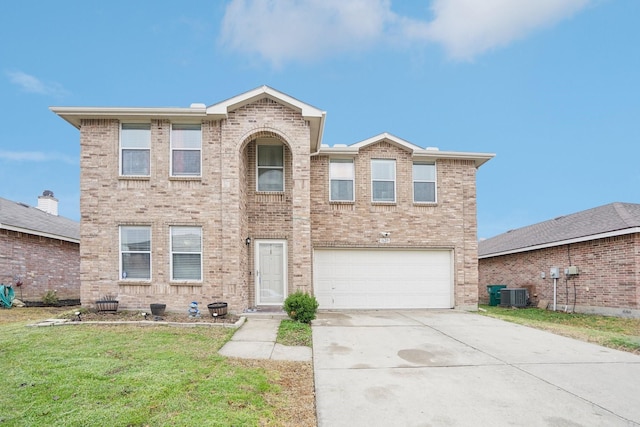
x=240, y=202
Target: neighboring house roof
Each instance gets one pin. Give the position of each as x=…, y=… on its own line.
x=610, y=220
x=198, y=112
x=23, y=218
x=419, y=153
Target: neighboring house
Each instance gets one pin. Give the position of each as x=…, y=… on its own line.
x=240, y=202
x=596, y=252
x=40, y=249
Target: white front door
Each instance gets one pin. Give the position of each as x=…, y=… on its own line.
x=271, y=271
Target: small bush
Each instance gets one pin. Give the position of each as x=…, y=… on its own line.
x=301, y=307
x=50, y=298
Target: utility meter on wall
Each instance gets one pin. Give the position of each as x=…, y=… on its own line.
x=554, y=272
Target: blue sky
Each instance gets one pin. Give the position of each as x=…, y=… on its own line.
x=551, y=86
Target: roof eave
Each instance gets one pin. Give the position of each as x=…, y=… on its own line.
x=478, y=158
x=75, y=115
x=623, y=232
x=39, y=233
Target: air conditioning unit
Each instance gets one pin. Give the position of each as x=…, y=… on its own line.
x=513, y=298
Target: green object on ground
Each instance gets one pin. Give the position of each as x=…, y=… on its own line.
x=494, y=294
x=6, y=296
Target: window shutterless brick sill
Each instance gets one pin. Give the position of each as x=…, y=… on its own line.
x=185, y=178
x=132, y=283
x=186, y=284
x=134, y=178
x=342, y=202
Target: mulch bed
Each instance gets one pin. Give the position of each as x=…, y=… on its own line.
x=133, y=316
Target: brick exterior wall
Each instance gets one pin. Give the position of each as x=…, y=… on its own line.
x=448, y=224
x=608, y=281
x=44, y=265
x=223, y=201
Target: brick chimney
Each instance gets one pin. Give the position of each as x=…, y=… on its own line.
x=48, y=203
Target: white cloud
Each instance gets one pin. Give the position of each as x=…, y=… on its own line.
x=467, y=28
x=36, y=156
x=281, y=31
x=284, y=30
x=32, y=84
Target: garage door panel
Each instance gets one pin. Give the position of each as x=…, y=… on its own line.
x=371, y=278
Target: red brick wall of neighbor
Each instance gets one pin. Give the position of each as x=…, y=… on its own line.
x=608, y=283
x=448, y=224
x=44, y=265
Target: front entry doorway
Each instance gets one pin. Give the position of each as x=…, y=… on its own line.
x=271, y=271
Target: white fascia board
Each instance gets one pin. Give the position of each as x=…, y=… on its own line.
x=391, y=139
x=432, y=155
x=74, y=115
x=38, y=233
x=338, y=151
x=622, y=232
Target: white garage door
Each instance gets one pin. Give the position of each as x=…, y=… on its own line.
x=375, y=278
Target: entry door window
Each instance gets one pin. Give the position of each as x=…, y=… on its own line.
x=270, y=273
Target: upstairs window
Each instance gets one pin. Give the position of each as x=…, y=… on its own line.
x=341, y=177
x=135, y=252
x=186, y=146
x=186, y=253
x=424, y=182
x=270, y=168
x=383, y=180
x=135, y=144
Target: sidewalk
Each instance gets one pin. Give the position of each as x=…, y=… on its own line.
x=256, y=339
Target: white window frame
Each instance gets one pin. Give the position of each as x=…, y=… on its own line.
x=373, y=180
x=259, y=144
x=122, y=149
x=172, y=253
x=174, y=149
x=434, y=181
x=353, y=179
x=122, y=272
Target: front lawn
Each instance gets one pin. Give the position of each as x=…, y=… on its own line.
x=614, y=332
x=293, y=333
x=95, y=375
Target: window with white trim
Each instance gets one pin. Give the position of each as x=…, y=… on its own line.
x=341, y=178
x=135, y=252
x=135, y=144
x=270, y=167
x=383, y=180
x=424, y=182
x=186, y=147
x=186, y=253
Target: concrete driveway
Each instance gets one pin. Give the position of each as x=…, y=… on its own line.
x=452, y=368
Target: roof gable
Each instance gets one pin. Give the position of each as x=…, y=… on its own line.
x=238, y=101
x=27, y=219
x=603, y=221
x=391, y=139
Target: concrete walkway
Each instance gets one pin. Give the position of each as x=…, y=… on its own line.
x=451, y=368
x=256, y=339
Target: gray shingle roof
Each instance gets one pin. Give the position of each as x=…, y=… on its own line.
x=27, y=219
x=614, y=217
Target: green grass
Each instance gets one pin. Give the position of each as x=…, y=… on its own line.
x=614, y=332
x=128, y=376
x=293, y=333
